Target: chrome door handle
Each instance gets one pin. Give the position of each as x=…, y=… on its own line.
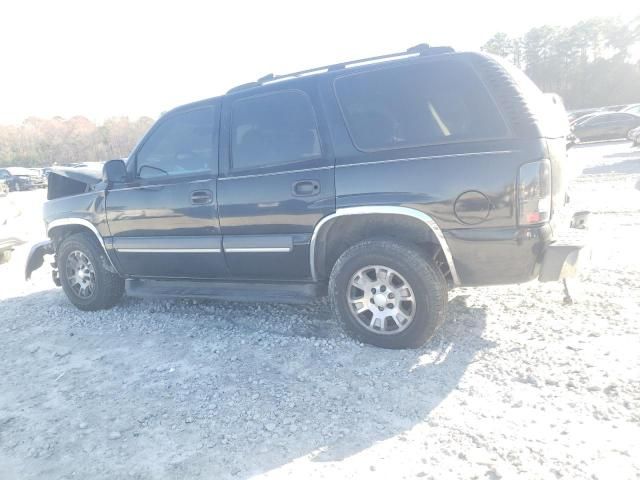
x=202, y=197
x=306, y=188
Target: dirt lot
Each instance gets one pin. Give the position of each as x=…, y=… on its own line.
x=515, y=385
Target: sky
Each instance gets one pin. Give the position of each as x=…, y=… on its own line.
x=134, y=58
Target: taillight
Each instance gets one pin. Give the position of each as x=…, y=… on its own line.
x=534, y=192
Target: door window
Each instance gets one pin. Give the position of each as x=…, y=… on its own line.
x=183, y=143
x=620, y=117
x=600, y=120
x=273, y=129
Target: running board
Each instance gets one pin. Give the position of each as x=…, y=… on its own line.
x=298, y=293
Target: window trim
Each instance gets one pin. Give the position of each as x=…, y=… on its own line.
x=215, y=147
x=508, y=132
x=232, y=171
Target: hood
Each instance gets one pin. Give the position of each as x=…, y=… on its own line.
x=73, y=179
x=88, y=173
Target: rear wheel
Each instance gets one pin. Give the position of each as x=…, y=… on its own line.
x=84, y=275
x=388, y=294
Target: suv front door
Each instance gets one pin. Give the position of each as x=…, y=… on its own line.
x=164, y=220
x=278, y=182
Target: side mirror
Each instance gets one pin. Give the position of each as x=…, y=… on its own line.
x=114, y=171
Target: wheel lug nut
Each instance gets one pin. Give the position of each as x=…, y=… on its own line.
x=373, y=290
x=389, y=305
x=381, y=308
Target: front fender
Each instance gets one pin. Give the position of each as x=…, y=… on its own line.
x=35, y=259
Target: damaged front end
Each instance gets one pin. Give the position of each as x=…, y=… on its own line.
x=62, y=209
x=74, y=179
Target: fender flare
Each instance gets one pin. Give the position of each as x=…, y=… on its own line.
x=429, y=222
x=62, y=222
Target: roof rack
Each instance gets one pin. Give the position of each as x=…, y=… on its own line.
x=421, y=49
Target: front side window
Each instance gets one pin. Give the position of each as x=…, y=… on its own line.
x=600, y=120
x=415, y=105
x=183, y=143
x=273, y=129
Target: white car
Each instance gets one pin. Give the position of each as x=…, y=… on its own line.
x=635, y=109
x=634, y=136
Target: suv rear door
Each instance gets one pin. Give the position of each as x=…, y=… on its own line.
x=164, y=220
x=277, y=181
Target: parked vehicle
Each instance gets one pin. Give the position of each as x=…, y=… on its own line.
x=574, y=115
x=604, y=126
x=635, y=109
x=634, y=136
x=18, y=178
x=4, y=188
x=383, y=182
x=7, y=245
x=39, y=177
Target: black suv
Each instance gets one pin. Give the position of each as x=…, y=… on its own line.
x=383, y=182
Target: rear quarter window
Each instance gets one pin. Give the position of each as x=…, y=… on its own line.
x=415, y=105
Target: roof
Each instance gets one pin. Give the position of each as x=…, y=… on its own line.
x=417, y=51
x=17, y=171
x=420, y=50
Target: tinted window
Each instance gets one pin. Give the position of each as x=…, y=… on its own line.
x=600, y=119
x=183, y=143
x=620, y=117
x=436, y=102
x=273, y=129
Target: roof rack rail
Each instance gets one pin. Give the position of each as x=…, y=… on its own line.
x=420, y=49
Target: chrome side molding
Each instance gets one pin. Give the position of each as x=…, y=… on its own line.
x=168, y=250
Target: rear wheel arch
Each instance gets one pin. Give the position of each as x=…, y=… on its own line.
x=335, y=233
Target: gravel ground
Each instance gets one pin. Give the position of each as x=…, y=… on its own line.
x=516, y=384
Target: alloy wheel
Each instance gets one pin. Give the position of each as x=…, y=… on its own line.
x=81, y=275
x=381, y=299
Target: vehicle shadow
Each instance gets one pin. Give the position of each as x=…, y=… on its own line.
x=198, y=389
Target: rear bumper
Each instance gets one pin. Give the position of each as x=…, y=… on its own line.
x=562, y=258
x=500, y=256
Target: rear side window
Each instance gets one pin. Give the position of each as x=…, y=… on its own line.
x=415, y=105
x=183, y=143
x=273, y=129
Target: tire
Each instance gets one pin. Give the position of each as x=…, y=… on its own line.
x=106, y=287
x=425, y=281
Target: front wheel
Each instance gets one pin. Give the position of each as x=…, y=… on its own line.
x=84, y=276
x=388, y=294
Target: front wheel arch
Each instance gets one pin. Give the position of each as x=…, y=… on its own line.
x=59, y=230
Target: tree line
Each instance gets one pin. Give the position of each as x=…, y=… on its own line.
x=40, y=142
x=590, y=64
